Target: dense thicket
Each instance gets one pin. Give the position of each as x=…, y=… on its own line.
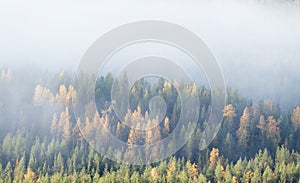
x=41, y=140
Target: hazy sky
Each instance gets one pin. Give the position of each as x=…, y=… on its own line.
x=255, y=43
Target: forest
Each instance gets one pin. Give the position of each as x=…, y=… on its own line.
x=41, y=137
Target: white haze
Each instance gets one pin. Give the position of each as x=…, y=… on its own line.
x=256, y=42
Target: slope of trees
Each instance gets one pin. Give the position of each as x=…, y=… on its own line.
x=41, y=140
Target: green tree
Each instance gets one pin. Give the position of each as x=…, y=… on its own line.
x=8, y=173
x=19, y=169
x=58, y=164
x=219, y=172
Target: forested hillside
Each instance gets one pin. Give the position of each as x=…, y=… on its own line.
x=41, y=140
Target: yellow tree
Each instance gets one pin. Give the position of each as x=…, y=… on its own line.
x=71, y=96
x=167, y=126
x=53, y=129
x=3, y=74
x=171, y=172
x=64, y=125
x=229, y=111
x=6, y=75
x=214, y=157
x=61, y=96
x=153, y=135
x=296, y=118
x=243, y=131
x=268, y=107
x=30, y=175
x=229, y=114
x=262, y=124
x=154, y=173
x=42, y=96
x=38, y=94
x=273, y=130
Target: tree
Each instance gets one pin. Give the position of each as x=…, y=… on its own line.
x=8, y=173
x=191, y=170
x=53, y=129
x=42, y=96
x=219, y=171
x=166, y=125
x=228, y=144
x=7, y=148
x=19, y=169
x=270, y=128
x=256, y=175
x=153, y=134
x=228, y=114
x=135, y=177
x=58, y=164
x=296, y=118
x=5, y=75
x=30, y=175
x=248, y=176
x=267, y=175
x=228, y=175
x=243, y=131
x=229, y=111
x=262, y=124
x=238, y=170
x=64, y=125
x=202, y=178
x=171, y=172
x=273, y=131
x=214, y=157
x=154, y=173
x=62, y=96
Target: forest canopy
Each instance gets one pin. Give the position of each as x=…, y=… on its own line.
x=41, y=138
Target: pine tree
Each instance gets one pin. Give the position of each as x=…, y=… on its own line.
x=219, y=172
x=267, y=175
x=228, y=175
x=135, y=177
x=58, y=164
x=19, y=169
x=202, y=178
x=8, y=173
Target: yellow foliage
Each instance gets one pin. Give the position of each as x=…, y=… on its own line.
x=42, y=96
x=154, y=172
x=234, y=179
x=243, y=131
x=30, y=175
x=229, y=111
x=167, y=125
x=214, y=156
x=296, y=117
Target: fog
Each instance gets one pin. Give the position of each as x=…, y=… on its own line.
x=257, y=43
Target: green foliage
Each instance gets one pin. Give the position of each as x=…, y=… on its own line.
x=257, y=142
